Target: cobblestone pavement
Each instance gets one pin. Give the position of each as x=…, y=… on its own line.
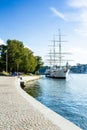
x=16, y=113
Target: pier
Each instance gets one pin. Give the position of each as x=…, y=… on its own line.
x=20, y=111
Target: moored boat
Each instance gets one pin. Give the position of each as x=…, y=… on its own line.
x=56, y=69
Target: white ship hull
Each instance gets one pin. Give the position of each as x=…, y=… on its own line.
x=57, y=73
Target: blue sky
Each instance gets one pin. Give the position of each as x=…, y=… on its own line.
x=36, y=21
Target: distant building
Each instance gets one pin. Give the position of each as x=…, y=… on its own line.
x=79, y=68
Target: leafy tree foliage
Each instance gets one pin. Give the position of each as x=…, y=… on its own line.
x=19, y=57
x=15, y=51
x=39, y=63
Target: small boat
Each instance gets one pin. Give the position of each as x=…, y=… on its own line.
x=56, y=69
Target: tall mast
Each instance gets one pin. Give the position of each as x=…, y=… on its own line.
x=59, y=48
x=54, y=51
x=56, y=54
x=50, y=61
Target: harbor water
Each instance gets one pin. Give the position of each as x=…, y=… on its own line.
x=66, y=97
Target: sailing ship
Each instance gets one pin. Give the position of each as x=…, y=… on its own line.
x=56, y=69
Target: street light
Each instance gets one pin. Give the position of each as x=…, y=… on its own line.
x=6, y=61
x=6, y=52
x=0, y=51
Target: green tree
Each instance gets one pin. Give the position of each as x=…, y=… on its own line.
x=39, y=63
x=29, y=61
x=19, y=58
x=15, y=52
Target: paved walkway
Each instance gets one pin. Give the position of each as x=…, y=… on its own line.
x=16, y=113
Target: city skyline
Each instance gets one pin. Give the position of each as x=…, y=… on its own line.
x=35, y=22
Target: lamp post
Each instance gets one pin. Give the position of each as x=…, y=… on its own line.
x=0, y=51
x=6, y=61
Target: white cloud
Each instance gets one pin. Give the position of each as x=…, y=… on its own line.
x=78, y=55
x=57, y=13
x=83, y=15
x=79, y=7
x=78, y=50
x=81, y=31
x=1, y=41
x=77, y=3
x=80, y=15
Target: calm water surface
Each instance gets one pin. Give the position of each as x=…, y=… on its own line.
x=66, y=97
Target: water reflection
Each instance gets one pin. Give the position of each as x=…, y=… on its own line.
x=33, y=89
